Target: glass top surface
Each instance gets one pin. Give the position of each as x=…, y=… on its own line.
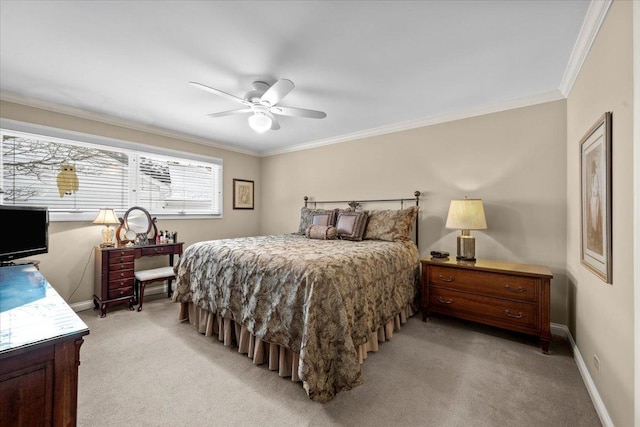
x=31, y=311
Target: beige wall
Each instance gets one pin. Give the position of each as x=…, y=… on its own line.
x=523, y=163
x=514, y=160
x=601, y=315
x=71, y=243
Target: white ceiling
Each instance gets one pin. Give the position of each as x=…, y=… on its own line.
x=366, y=64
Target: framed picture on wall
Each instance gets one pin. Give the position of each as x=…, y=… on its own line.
x=595, y=188
x=242, y=194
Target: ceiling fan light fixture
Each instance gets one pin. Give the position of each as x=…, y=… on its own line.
x=260, y=122
x=262, y=103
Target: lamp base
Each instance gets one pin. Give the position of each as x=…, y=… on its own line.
x=466, y=247
x=107, y=238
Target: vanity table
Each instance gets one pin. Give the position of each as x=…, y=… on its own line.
x=40, y=339
x=114, y=281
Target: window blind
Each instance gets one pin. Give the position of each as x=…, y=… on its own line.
x=76, y=176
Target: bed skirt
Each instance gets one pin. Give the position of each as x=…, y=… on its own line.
x=278, y=358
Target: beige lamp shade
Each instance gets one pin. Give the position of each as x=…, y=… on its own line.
x=466, y=214
x=106, y=216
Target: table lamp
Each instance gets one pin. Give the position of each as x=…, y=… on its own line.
x=465, y=215
x=107, y=217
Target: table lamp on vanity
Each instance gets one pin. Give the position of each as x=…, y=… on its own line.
x=465, y=215
x=107, y=217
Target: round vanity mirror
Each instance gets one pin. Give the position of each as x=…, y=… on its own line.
x=138, y=224
x=138, y=220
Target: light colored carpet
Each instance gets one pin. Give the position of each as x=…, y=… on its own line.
x=147, y=369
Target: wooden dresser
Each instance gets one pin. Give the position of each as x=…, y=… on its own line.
x=507, y=295
x=114, y=279
x=40, y=339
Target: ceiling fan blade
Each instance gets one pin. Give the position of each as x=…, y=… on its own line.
x=220, y=93
x=275, y=93
x=274, y=122
x=230, y=112
x=298, y=112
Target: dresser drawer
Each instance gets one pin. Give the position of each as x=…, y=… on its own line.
x=157, y=250
x=121, y=266
x=486, y=283
x=121, y=252
x=123, y=259
x=121, y=273
x=504, y=312
x=120, y=292
x=121, y=282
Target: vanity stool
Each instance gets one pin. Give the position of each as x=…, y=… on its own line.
x=143, y=277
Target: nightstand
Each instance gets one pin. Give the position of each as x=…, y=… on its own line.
x=502, y=294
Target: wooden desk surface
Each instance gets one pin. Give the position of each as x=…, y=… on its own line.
x=150, y=249
x=493, y=265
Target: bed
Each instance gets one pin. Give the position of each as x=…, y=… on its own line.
x=311, y=303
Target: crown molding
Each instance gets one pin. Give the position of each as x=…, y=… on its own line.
x=110, y=120
x=590, y=26
x=554, y=95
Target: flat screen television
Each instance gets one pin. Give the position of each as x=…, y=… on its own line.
x=26, y=232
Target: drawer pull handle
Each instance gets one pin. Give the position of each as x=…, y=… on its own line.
x=445, y=279
x=445, y=301
x=520, y=288
x=515, y=316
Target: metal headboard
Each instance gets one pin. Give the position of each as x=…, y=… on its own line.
x=356, y=204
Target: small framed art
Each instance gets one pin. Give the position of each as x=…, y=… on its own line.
x=242, y=194
x=595, y=188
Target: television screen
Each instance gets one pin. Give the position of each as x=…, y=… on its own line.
x=26, y=232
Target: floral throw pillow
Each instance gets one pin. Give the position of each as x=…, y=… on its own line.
x=391, y=225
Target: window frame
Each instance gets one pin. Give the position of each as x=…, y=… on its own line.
x=7, y=125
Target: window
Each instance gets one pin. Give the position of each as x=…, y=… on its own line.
x=75, y=178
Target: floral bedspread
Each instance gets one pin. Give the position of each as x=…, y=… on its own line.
x=320, y=298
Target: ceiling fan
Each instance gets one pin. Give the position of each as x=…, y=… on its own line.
x=262, y=103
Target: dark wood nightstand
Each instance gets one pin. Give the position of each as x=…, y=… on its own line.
x=507, y=295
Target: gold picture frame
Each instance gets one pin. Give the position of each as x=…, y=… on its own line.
x=243, y=194
x=595, y=197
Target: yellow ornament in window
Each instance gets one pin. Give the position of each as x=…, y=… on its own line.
x=67, y=180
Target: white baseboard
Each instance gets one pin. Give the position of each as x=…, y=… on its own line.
x=563, y=330
x=148, y=290
x=559, y=330
x=81, y=306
